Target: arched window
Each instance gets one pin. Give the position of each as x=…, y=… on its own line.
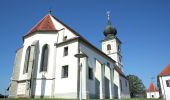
x=44, y=58
x=108, y=47
x=27, y=57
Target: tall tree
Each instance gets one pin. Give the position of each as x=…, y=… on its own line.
x=136, y=86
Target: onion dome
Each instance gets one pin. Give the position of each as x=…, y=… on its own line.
x=109, y=30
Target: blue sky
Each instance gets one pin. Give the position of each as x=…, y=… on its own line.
x=143, y=26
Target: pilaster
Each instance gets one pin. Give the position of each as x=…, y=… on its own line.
x=85, y=92
x=30, y=67
x=102, y=85
x=111, y=84
x=31, y=61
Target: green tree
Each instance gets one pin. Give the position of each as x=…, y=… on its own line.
x=136, y=86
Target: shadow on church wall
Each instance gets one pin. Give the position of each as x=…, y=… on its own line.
x=107, y=88
x=97, y=88
x=115, y=91
x=43, y=84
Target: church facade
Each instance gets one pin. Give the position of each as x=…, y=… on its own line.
x=46, y=65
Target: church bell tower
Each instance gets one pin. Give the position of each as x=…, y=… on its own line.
x=111, y=45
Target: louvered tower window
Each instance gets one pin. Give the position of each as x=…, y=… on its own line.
x=108, y=47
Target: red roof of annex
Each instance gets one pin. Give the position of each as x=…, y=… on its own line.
x=166, y=71
x=152, y=88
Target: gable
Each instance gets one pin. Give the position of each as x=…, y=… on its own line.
x=51, y=25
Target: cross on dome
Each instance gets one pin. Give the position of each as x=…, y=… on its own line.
x=108, y=15
x=109, y=30
x=50, y=12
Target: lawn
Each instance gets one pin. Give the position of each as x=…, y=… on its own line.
x=75, y=99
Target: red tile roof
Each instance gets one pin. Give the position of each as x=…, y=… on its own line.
x=46, y=24
x=152, y=88
x=166, y=71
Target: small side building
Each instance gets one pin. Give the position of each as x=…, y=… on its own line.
x=152, y=91
x=164, y=83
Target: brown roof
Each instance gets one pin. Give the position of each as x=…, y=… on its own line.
x=45, y=24
x=152, y=88
x=166, y=71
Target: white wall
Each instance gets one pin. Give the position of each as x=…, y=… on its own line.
x=43, y=88
x=165, y=90
x=64, y=31
x=125, y=93
x=21, y=88
x=96, y=61
x=108, y=78
x=116, y=85
x=152, y=94
x=43, y=38
x=46, y=38
x=50, y=38
x=114, y=52
x=66, y=87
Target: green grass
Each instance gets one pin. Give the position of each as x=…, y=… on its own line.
x=140, y=99
x=73, y=99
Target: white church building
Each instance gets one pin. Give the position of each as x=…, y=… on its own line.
x=164, y=83
x=57, y=62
